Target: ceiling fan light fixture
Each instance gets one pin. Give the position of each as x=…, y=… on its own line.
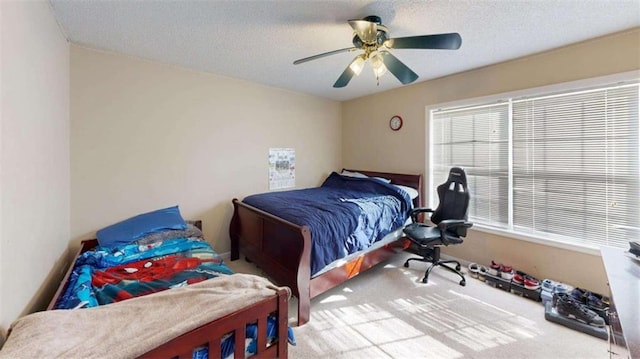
x=357, y=65
x=377, y=64
x=379, y=71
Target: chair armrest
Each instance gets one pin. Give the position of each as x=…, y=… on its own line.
x=452, y=225
x=449, y=224
x=414, y=213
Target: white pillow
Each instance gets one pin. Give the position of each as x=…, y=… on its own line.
x=353, y=174
x=412, y=192
x=362, y=175
x=382, y=179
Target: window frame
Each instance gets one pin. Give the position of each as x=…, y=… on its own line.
x=578, y=85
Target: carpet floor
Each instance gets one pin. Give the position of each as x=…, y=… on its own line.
x=387, y=312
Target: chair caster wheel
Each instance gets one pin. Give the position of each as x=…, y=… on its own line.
x=463, y=282
x=424, y=280
x=406, y=264
x=458, y=267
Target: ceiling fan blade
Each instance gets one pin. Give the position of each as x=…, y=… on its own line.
x=451, y=41
x=346, y=76
x=397, y=68
x=314, y=57
x=366, y=30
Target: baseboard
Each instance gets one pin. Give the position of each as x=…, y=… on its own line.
x=226, y=256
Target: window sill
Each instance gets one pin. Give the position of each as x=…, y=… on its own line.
x=547, y=241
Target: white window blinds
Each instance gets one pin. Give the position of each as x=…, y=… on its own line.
x=575, y=165
x=565, y=166
x=476, y=139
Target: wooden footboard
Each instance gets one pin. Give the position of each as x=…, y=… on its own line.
x=283, y=249
x=211, y=334
x=280, y=248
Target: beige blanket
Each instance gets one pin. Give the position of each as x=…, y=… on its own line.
x=133, y=327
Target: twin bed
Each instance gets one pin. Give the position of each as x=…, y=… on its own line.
x=308, y=240
x=286, y=240
x=210, y=312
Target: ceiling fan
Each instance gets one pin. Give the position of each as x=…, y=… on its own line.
x=371, y=36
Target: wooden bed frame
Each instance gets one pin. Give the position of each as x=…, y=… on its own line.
x=211, y=334
x=283, y=249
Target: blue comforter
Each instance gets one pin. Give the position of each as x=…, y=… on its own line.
x=345, y=214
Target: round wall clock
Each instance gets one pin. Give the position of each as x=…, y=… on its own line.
x=395, y=123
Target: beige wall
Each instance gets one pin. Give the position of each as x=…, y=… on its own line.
x=365, y=126
x=146, y=135
x=34, y=155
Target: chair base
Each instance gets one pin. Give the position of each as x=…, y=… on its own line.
x=432, y=255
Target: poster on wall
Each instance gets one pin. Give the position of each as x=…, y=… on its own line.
x=282, y=168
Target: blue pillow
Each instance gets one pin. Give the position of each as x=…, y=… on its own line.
x=136, y=227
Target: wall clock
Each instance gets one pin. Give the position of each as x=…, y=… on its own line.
x=395, y=123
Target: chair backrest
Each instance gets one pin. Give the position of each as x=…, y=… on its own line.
x=454, y=199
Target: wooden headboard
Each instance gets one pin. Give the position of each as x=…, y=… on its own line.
x=404, y=179
x=197, y=223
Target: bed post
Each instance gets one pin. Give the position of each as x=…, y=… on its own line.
x=303, y=278
x=283, y=321
x=233, y=232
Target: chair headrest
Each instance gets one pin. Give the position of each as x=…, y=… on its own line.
x=456, y=174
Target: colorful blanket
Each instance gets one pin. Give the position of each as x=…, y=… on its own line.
x=107, y=275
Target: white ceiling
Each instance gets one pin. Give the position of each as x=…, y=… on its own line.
x=259, y=40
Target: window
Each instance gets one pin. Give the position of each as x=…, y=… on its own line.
x=563, y=166
x=477, y=139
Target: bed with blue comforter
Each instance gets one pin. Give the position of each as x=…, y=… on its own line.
x=345, y=214
x=315, y=238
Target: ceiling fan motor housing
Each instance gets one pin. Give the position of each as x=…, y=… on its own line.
x=381, y=33
x=381, y=37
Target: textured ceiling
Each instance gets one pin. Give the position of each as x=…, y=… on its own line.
x=259, y=40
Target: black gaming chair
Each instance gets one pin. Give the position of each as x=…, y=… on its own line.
x=451, y=223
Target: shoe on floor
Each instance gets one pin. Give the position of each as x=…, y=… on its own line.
x=580, y=295
x=494, y=268
x=482, y=273
x=507, y=275
x=552, y=286
x=597, y=301
x=557, y=297
x=519, y=276
x=506, y=272
x=593, y=300
x=548, y=285
x=562, y=288
x=568, y=306
x=531, y=283
x=474, y=269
